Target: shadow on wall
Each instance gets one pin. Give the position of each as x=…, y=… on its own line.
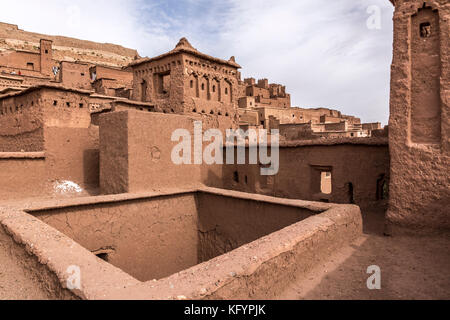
x=91, y=165
x=353, y=174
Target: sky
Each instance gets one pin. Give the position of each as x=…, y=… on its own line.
x=328, y=53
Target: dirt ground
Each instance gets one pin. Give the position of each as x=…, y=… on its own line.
x=411, y=268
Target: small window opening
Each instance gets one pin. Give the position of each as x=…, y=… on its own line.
x=68, y=104
x=236, y=177
x=81, y=106
x=46, y=51
x=226, y=90
x=425, y=30
x=55, y=103
x=214, y=89
x=192, y=84
x=203, y=86
x=351, y=197
x=325, y=182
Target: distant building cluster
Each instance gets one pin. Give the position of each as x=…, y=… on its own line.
x=181, y=81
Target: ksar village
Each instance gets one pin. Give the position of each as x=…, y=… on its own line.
x=175, y=177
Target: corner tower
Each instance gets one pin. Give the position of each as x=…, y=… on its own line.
x=46, y=57
x=419, y=125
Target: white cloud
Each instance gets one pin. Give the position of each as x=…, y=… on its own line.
x=321, y=50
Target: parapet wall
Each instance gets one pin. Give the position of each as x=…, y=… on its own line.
x=260, y=269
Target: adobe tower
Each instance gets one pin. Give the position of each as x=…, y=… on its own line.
x=419, y=126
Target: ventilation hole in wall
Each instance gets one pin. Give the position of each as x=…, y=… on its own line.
x=46, y=51
x=211, y=112
x=227, y=114
x=81, y=106
x=219, y=113
x=103, y=256
x=32, y=103
x=203, y=111
x=236, y=177
x=195, y=110
x=171, y=110
x=68, y=104
x=351, y=197
x=55, y=103
x=425, y=30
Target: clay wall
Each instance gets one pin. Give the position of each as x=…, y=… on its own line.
x=419, y=119
x=124, y=77
x=226, y=224
x=246, y=102
x=22, y=60
x=71, y=139
x=10, y=81
x=299, y=131
x=21, y=123
x=364, y=166
x=22, y=175
x=258, y=270
x=249, y=116
x=147, y=239
x=56, y=121
x=37, y=281
x=156, y=237
x=139, y=159
x=291, y=115
x=75, y=75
